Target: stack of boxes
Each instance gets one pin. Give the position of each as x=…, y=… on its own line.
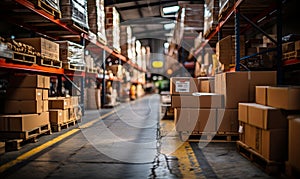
x=210, y=16
x=264, y=124
x=193, y=16
x=71, y=54
x=96, y=20
x=75, y=11
x=126, y=40
x=112, y=26
x=26, y=104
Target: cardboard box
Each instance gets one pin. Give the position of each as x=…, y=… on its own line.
x=46, y=82
x=260, y=78
x=274, y=144
x=223, y=50
x=56, y=116
x=24, y=122
x=197, y=120
x=23, y=107
x=183, y=85
x=253, y=137
x=24, y=94
x=261, y=95
x=294, y=142
x=266, y=117
x=59, y=103
x=45, y=94
x=45, y=105
x=27, y=81
x=198, y=100
x=227, y=120
x=284, y=97
x=74, y=101
x=234, y=87
x=207, y=84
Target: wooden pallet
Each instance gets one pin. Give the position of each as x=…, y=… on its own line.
x=69, y=66
x=22, y=57
x=209, y=136
x=15, y=140
x=49, y=63
x=291, y=171
x=75, y=25
x=270, y=167
x=291, y=55
x=91, y=70
x=41, y=4
x=66, y=125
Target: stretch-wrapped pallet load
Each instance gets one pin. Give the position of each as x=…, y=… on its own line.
x=126, y=40
x=96, y=14
x=71, y=53
x=193, y=15
x=211, y=8
x=75, y=13
x=112, y=26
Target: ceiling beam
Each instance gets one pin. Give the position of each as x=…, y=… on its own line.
x=138, y=6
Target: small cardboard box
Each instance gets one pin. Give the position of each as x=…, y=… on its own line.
x=23, y=107
x=227, y=120
x=284, y=97
x=266, y=117
x=198, y=100
x=294, y=142
x=274, y=144
x=195, y=120
x=24, y=94
x=207, y=84
x=56, y=116
x=59, y=103
x=253, y=137
x=261, y=94
x=183, y=85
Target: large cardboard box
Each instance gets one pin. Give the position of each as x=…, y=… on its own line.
x=27, y=81
x=197, y=120
x=24, y=94
x=234, y=87
x=266, y=117
x=260, y=78
x=261, y=94
x=253, y=137
x=294, y=142
x=59, y=103
x=227, y=120
x=183, y=85
x=274, y=144
x=24, y=122
x=198, y=100
x=23, y=107
x=284, y=97
x=243, y=112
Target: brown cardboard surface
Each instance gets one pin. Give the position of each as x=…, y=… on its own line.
x=199, y=120
x=284, y=97
x=274, y=144
x=27, y=81
x=227, y=120
x=183, y=85
x=253, y=137
x=207, y=84
x=74, y=101
x=45, y=94
x=45, y=105
x=260, y=78
x=46, y=82
x=23, y=107
x=234, y=87
x=59, y=103
x=266, y=117
x=243, y=112
x=202, y=100
x=25, y=122
x=294, y=142
x=24, y=94
x=56, y=116
x=261, y=95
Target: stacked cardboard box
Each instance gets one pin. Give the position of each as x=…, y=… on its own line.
x=126, y=40
x=264, y=123
x=26, y=105
x=71, y=52
x=96, y=20
x=211, y=17
x=92, y=98
x=112, y=26
x=294, y=145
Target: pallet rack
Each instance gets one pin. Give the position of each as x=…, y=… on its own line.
x=28, y=16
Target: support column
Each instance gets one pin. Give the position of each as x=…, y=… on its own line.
x=237, y=39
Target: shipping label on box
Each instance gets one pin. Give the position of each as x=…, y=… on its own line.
x=183, y=85
x=266, y=117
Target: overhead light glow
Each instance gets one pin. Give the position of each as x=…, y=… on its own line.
x=169, y=26
x=171, y=9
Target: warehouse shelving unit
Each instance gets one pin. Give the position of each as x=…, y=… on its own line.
x=26, y=15
x=239, y=19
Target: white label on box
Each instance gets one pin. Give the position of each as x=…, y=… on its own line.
x=182, y=86
x=65, y=103
x=241, y=130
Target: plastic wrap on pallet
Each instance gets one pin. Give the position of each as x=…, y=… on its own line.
x=53, y=3
x=193, y=15
x=75, y=10
x=5, y=51
x=211, y=9
x=71, y=52
x=96, y=16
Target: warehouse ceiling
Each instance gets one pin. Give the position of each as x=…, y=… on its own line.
x=146, y=17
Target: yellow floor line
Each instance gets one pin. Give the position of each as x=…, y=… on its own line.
x=38, y=149
x=188, y=164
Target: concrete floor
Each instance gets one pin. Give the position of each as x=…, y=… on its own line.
x=128, y=141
